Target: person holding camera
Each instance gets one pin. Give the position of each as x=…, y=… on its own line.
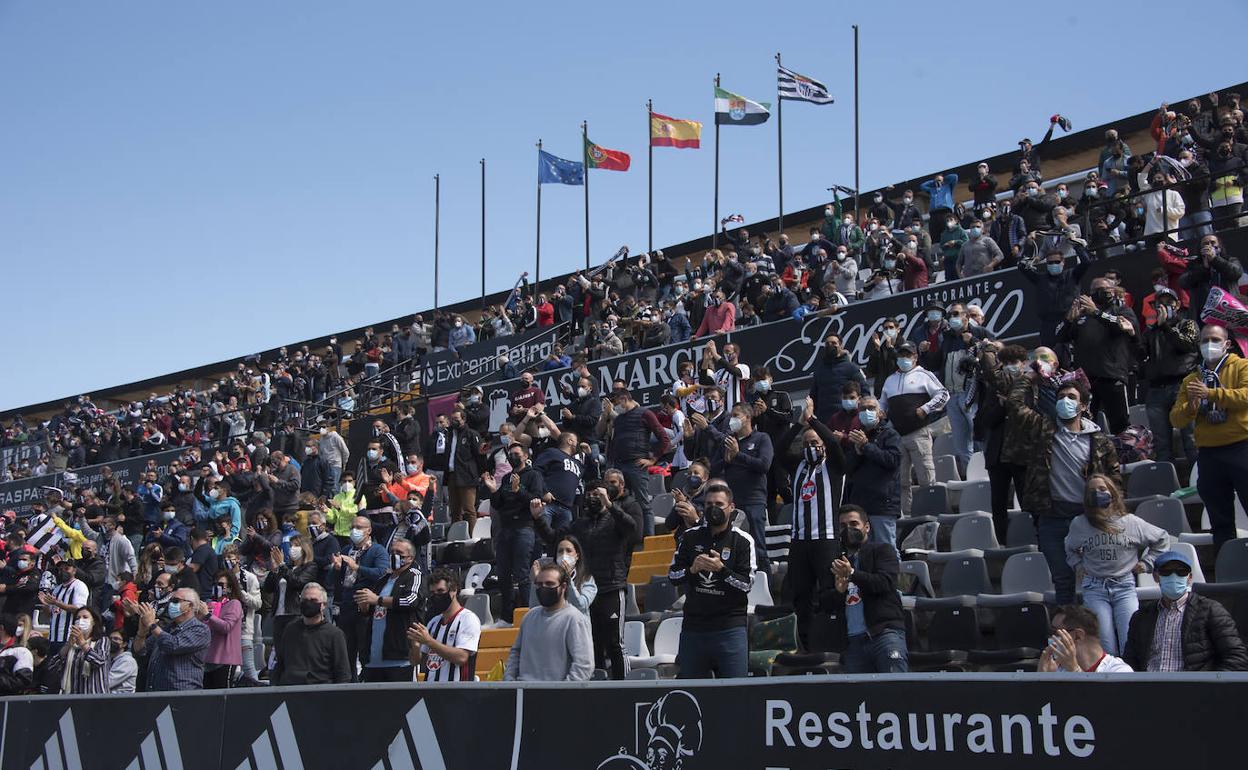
x=1208, y=268
x=1170, y=354
x=1103, y=332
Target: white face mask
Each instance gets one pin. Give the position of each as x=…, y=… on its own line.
x=543, y=433
x=1212, y=350
x=582, y=392
x=84, y=625
x=296, y=552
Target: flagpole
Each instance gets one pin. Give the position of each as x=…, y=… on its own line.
x=857, y=202
x=715, y=217
x=538, y=267
x=437, y=216
x=779, y=150
x=483, y=233
x=650, y=176
x=585, y=167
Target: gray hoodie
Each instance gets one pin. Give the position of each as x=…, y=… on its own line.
x=1105, y=555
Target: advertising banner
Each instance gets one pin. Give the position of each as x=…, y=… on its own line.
x=21, y=494
x=448, y=371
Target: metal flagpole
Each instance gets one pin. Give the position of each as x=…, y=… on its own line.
x=483, y=233
x=538, y=267
x=650, y=175
x=779, y=148
x=585, y=167
x=437, y=215
x=715, y=218
x=857, y=188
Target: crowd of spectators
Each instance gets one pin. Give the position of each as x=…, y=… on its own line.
x=165, y=583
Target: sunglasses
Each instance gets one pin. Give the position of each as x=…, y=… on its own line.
x=1182, y=570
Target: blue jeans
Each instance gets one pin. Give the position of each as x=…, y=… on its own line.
x=884, y=530
x=557, y=517
x=334, y=473
x=724, y=652
x=1157, y=402
x=513, y=547
x=756, y=514
x=1195, y=225
x=1051, y=534
x=884, y=653
x=960, y=422
x=637, y=479
x=1114, y=601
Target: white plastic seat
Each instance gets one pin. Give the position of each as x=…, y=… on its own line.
x=666, y=644
x=475, y=577
x=458, y=533
x=760, y=592
x=481, y=530
x=635, y=639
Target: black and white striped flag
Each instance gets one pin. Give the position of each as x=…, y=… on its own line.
x=42, y=532
x=801, y=88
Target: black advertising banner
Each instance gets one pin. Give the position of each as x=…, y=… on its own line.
x=790, y=349
x=933, y=721
x=449, y=371
x=20, y=495
x=29, y=452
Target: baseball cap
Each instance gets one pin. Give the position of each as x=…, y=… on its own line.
x=1169, y=556
x=906, y=348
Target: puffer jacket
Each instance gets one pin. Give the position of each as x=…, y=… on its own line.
x=872, y=479
x=608, y=538
x=1210, y=641
x=1035, y=432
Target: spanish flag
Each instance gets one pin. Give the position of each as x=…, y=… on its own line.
x=673, y=132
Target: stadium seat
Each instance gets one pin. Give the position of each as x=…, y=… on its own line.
x=1232, y=596
x=1137, y=414
x=953, y=631
x=475, y=577
x=1020, y=633
x=662, y=505
x=458, y=533
x=660, y=594
x=678, y=478
x=1151, y=479
x=921, y=574
x=947, y=469
x=642, y=673
x=480, y=606
x=1166, y=513
x=641, y=573
x=1026, y=572
x=635, y=639
x=965, y=575
x=1232, y=563
x=1022, y=530
x=658, y=485
x=631, y=610
x=500, y=637
x=760, y=592
x=975, y=496
x=976, y=470
x=973, y=530
x=481, y=529
x=666, y=644
x=653, y=558
x=931, y=500
x=942, y=444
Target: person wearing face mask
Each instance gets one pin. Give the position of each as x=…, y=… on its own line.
x=1056, y=287
x=1061, y=452
x=225, y=621
x=393, y=607
x=716, y=563
x=341, y=510
x=334, y=451
x=1184, y=631
x=123, y=670
x=86, y=655
x=69, y=595
x=220, y=502
x=476, y=414
x=512, y=528
x=603, y=536
x=174, y=650
x=21, y=578
x=1170, y=352
x=118, y=553
x=979, y=254
x=872, y=463
x=1000, y=366
x=363, y=565
x=864, y=604
x=1110, y=546
x=720, y=316
x=582, y=588
x=463, y=463
x=446, y=647
x=882, y=354
x=181, y=497
x=581, y=415
x=1215, y=398
x=1214, y=268
x=742, y=457
x=460, y=335
x=638, y=440
x=834, y=370
x=939, y=191
x=817, y=478
x=951, y=238
x=526, y=396
x=314, y=651
x=561, y=473
x=913, y=397
x=1162, y=202
x=554, y=643
x=1103, y=333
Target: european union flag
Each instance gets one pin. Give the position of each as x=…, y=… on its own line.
x=552, y=169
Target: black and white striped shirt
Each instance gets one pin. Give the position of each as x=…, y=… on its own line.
x=73, y=593
x=816, y=495
x=463, y=632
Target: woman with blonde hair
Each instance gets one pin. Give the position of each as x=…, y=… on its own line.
x=1111, y=546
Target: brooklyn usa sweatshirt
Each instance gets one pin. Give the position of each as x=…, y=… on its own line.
x=1111, y=555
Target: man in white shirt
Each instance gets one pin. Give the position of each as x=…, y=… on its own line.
x=1076, y=645
x=9, y=648
x=447, y=648
x=913, y=398
x=69, y=595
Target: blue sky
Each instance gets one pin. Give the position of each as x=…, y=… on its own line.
x=182, y=183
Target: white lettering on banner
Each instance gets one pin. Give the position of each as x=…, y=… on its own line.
x=977, y=733
x=798, y=356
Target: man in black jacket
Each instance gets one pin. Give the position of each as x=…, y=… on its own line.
x=716, y=562
x=1103, y=331
x=394, y=606
x=512, y=529
x=463, y=447
x=872, y=470
x=607, y=533
x=582, y=414
x=1184, y=631
x=408, y=431
x=1057, y=286
x=835, y=368
x=1170, y=354
x=314, y=474
x=865, y=605
x=1214, y=267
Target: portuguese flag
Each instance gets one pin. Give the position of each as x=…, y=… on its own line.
x=601, y=157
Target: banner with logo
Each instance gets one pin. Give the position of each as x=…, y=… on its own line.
x=29, y=452
x=790, y=349
x=933, y=721
x=449, y=371
x=20, y=495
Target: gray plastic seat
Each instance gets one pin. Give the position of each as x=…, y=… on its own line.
x=1166, y=513
x=1022, y=530
x=480, y=606
x=1150, y=479
x=965, y=576
x=947, y=468
x=920, y=572
x=931, y=500
x=1026, y=572
x=662, y=505
x=973, y=530
x=1232, y=563
x=976, y=496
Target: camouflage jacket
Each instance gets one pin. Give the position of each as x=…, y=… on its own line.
x=1035, y=432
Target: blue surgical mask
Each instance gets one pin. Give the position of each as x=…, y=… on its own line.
x=1173, y=586
x=1013, y=368
x=934, y=315
x=1054, y=268
x=1103, y=498
x=955, y=324
x=1067, y=408
x=357, y=535
x=868, y=419
x=975, y=232
x=762, y=386
x=905, y=364
x=849, y=404
x=175, y=609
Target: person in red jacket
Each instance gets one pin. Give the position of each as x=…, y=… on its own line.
x=720, y=317
x=545, y=312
